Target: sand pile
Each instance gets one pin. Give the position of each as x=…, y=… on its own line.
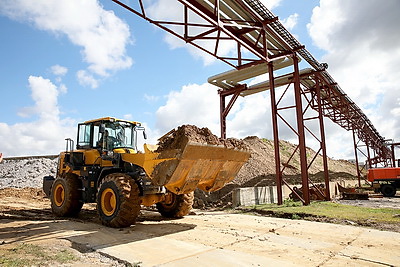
x=178, y=138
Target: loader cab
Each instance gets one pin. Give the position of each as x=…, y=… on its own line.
x=108, y=134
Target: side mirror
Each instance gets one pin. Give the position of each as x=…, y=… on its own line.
x=102, y=128
x=144, y=135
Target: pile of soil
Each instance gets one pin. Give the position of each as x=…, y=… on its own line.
x=178, y=138
x=260, y=170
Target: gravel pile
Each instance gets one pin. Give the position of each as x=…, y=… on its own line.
x=26, y=172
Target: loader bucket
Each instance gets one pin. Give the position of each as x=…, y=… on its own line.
x=202, y=166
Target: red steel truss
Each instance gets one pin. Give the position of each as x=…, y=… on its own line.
x=263, y=45
x=305, y=99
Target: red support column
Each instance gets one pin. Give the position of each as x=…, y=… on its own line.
x=393, y=157
x=301, y=133
x=275, y=133
x=356, y=155
x=225, y=109
x=323, y=144
x=222, y=114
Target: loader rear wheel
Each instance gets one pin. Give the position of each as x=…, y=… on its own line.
x=65, y=196
x=388, y=190
x=176, y=206
x=118, y=203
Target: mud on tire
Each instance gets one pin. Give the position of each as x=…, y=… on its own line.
x=176, y=206
x=118, y=203
x=66, y=196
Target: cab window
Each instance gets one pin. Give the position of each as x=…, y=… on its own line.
x=96, y=135
x=84, y=135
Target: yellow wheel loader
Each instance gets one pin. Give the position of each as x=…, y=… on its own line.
x=106, y=168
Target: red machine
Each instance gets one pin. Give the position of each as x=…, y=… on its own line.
x=385, y=180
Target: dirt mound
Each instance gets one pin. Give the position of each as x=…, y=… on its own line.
x=261, y=162
x=178, y=138
x=259, y=170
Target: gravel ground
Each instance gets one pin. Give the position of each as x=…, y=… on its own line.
x=379, y=202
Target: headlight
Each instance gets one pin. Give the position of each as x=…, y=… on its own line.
x=110, y=153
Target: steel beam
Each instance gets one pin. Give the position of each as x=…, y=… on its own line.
x=300, y=132
x=274, y=113
x=322, y=141
x=356, y=158
x=225, y=109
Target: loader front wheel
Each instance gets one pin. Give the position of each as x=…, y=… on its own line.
x=65, y=196
x=176, y=206
x=118, y=203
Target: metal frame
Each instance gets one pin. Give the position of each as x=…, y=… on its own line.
x=305, y=99
x=218, y=23
x=263, y=43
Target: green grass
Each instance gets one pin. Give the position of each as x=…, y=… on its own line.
x=296, y=210
x=25, y=254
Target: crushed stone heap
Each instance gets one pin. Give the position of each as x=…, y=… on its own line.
x=26, y=172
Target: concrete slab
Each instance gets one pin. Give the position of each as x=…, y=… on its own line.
x=220, y=239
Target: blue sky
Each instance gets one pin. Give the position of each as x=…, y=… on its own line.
x=60, y=66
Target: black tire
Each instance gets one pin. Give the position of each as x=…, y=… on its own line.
x=176, y=206
x=118, y=202
x=66, y=196
x=388, y=190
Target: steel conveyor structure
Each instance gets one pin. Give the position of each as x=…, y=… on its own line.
x=249, y=38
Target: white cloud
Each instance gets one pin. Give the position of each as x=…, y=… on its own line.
x=151, y=98
x=45, y=134
x=59, y=70
x=291, y=21
x=252, y=116
x=45, y=96
x=86, y=79
x=62, y=88
x=363, y=53
x=194, y=104
x=324, y=21
x=271, y=4
x=102, y=35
